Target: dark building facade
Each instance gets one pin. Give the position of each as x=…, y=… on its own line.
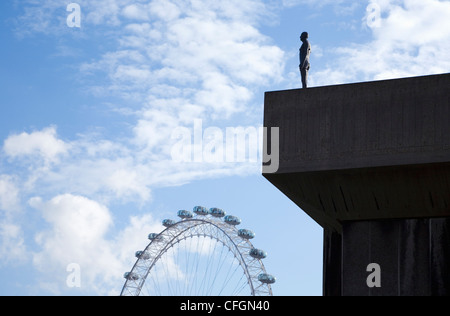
x=370, y=163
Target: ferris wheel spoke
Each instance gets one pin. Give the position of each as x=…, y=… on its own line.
x=195, y=275
x=220, y=263
x=230, y=275
x=238, y=289
x=187, y=264
x=193, y=266
x=204, y=281
x=167, y=275
x=154, y=285
x=179, y=275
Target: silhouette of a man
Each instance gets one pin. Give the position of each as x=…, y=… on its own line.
x=305, y=52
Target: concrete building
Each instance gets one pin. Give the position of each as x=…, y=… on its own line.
x=370, y=163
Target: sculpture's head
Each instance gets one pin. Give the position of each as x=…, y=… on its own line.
x=304, y=36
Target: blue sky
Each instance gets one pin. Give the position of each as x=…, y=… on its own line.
x=88, y=114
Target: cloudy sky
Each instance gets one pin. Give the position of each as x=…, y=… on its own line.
x=92, y=119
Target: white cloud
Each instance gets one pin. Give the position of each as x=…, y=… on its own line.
x=207, y=60
x=182, y=43
x=128, y=181
x=187, y=60
x=340, y=6
x=75, y=216
x=136, y=12
x=164, y=10
x=173, y=61
x=106, y=179
x=412, y=39
x=12, y=244
x=170, y=62
x=79, y=233
x=9, y=194
x=44, y=144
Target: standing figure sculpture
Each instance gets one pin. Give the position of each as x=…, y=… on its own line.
x=305, y=52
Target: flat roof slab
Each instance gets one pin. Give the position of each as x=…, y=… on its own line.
x=372, y=150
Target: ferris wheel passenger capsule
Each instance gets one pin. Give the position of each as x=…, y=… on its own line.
x=246, y=234
x=217, y=212
x=168, y=223
x=232, y=220
x=258, y=253
x=200, y=210
x=266, y=278
x=142, y=255
x=131, y=276
x=155, y=237
x=183, y=214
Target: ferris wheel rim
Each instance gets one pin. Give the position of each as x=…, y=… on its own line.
x=188, y=225
x=204, y=222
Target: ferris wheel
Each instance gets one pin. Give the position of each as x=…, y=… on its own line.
x=203, y=254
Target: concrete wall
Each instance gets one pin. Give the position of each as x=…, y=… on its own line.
x=366, y=151
x=413, y=257
x=381, y=123
x=370, y=163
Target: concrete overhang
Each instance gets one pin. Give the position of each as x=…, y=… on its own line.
x=364, y=151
